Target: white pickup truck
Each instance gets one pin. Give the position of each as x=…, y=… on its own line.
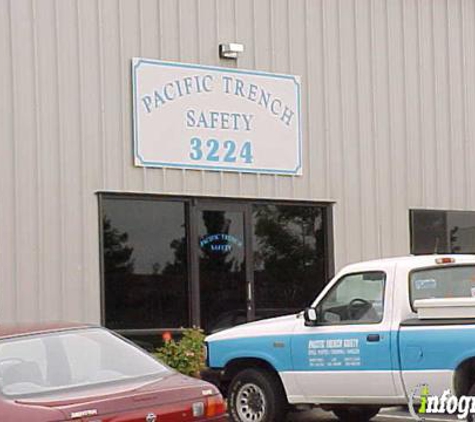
x=378, y=331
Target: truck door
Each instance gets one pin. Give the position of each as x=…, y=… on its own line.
x=347, y=353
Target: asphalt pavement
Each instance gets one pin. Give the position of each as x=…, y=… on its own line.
x=386, y=415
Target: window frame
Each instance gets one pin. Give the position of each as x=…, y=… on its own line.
x=446, y=213
x=192, y=203
x=326, y=324
x=328, y=262
x=127, y=196
x=431, y=267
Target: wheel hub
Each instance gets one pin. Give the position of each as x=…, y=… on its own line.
x=255, y=401
x=251, y=403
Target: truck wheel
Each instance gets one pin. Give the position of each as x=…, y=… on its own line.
x=470, y=416
x=256, y=395
x=356, y=413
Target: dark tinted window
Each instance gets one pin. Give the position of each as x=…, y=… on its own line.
x=289, y=267
x=442, y=232
x=222, y=268
x=145, y=263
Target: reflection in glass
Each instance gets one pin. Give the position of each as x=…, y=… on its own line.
x=289, y=267
x=222, y=268
x=461, y=225
x=145, y=264
x=79, y=358
x=442, y=232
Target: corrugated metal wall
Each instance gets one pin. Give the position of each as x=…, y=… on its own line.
x=389, y=110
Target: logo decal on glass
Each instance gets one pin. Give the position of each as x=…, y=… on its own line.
x=220, y=242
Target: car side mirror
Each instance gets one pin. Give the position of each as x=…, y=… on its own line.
x=311, y=317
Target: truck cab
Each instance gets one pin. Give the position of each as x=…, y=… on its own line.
x=358, y=347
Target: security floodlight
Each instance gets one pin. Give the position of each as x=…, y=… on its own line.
x=230, y=50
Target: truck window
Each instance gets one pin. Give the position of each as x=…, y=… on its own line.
x=446, y=282
x=356, y=298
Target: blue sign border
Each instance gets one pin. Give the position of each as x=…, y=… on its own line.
x=137, y=62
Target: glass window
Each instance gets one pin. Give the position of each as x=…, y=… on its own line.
x=447, y=282
x=356, y=298
x=442, y=232
x=14, y=352
x=148, y=342
x=145, y=259
x=222, y=268
x=72, y=359
x=238, y=256
x=289, y=257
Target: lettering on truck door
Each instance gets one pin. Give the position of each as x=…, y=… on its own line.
x=347, y=352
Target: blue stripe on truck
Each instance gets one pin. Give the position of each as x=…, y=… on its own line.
x=436, y=349
x=431, y=349
x=223, y=351
x=339, y=351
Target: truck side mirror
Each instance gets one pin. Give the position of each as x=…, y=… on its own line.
x=310, y=316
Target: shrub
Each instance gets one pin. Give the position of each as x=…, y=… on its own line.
x=185, y=355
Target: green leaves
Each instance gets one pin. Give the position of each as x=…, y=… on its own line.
x=185, y=355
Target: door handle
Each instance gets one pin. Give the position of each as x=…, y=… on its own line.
x=373, y=338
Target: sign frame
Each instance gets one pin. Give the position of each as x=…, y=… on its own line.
x=139, y=161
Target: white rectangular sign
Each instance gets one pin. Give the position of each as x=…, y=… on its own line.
x=213, y=118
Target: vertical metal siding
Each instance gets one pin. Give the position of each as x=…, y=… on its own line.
x=7, y=191
x=388, y=106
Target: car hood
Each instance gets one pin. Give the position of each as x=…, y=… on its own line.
x=280, y=325
x=167, y=389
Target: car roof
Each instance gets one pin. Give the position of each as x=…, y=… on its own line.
x=411, y=261
x=15, y=330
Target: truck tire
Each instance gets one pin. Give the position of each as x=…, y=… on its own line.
x=471, y=393
x=256, y=395
x=356, y=413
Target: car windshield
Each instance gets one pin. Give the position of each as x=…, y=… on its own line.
x=443, y=282
x=56, y=362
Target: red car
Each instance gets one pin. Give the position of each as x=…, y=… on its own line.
x=83, y=373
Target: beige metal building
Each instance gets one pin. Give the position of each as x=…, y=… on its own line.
x=388, y=130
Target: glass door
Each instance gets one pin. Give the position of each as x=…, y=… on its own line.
x=222, y=262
